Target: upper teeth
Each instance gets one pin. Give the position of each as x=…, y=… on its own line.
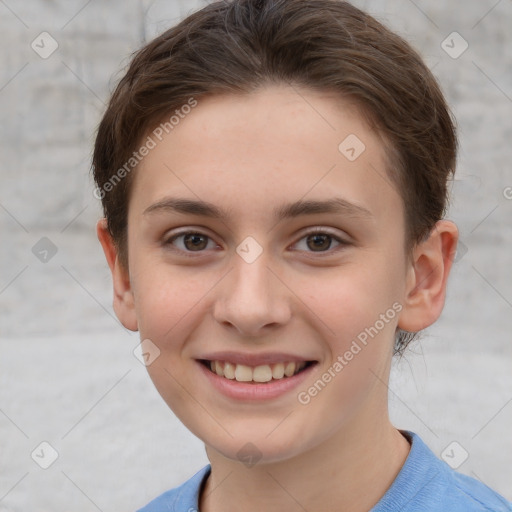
x=262, y=373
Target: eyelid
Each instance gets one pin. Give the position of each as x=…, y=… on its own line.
x=186, y=231
x=342, y=241
x=167, y=240
x=324, y=231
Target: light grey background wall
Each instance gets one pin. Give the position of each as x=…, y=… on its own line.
x=68, y=376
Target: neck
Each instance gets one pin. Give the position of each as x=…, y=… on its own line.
x=349, y=472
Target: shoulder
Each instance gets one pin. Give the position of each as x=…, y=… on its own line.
x=182, y=498
x=478, y=495
x=427, y=483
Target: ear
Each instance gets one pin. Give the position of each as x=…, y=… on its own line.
x=427, y=277
x=124, y=304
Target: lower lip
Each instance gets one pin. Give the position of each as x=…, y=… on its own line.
x=248, y=391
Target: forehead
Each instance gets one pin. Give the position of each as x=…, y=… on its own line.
x=251, y=152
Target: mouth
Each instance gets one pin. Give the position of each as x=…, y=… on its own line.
x=260, y=374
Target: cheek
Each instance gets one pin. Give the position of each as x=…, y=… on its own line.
x=359, y=312
x=169, y=307
x=352, y=299
x=166, y=300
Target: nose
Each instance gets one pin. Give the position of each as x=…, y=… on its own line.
x=252, y=298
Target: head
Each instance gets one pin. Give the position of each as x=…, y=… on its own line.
x=250, y=106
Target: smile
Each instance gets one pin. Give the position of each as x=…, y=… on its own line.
x=257, y=374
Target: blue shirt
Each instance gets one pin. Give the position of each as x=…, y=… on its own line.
x=425, y=483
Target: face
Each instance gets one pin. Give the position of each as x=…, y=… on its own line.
x=304, y=263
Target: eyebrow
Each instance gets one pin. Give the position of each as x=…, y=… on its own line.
x=335, y=205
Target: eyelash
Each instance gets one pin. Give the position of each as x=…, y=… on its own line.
x=342, y=243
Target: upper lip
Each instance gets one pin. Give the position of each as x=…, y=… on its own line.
x=253, y=359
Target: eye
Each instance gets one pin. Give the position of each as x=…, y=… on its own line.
x=191, y=241
x=319, y=241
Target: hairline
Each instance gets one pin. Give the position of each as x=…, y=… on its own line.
x=393, y=164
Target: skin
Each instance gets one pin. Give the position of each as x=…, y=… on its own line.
x=249, y=154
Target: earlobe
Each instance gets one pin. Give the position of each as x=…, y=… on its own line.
x=427, y=277
x=124, y=304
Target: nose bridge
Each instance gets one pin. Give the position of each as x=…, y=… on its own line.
x=251, y=297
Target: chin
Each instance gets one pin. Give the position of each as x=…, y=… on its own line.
x=258, y=450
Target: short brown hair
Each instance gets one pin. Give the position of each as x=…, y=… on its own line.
x=238, y=46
